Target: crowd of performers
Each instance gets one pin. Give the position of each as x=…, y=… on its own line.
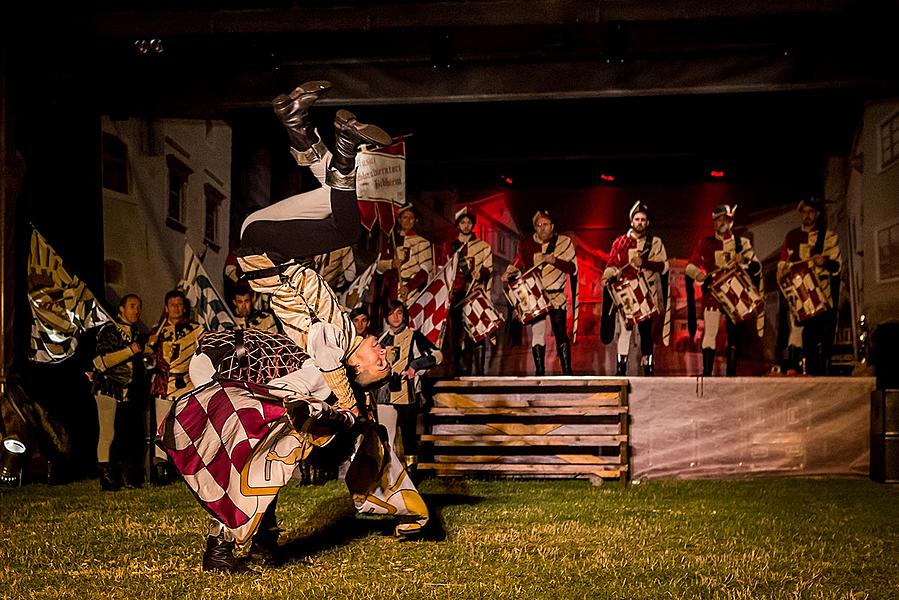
x=238, y=412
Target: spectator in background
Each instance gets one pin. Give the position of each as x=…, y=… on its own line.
x=247, y=316
x=173, y=345
x=361, y=321
x=410, y=354
x=118, y=381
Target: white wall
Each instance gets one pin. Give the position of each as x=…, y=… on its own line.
x=879, y=206
x=135, y=231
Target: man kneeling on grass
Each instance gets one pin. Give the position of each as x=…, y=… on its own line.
x=262, y=412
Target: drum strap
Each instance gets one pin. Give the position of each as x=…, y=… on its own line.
x=647, y=247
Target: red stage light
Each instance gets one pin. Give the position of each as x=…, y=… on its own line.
x=508, y=180
x=605, y=177
x=716, y=173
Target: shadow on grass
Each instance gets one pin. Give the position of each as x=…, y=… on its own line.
x=329, y=529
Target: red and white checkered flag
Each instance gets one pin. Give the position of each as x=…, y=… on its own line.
x=430, y=310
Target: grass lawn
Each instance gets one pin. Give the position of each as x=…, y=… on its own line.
x=787, y=538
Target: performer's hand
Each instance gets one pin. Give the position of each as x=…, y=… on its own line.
x=637, y=261
x=396, y=263
x=701, y=276
x=549, y=258
x=504, y=277
x=739, y=258
x=409, y=373
x=151, y=341
x=819, y=260
x=136, y=348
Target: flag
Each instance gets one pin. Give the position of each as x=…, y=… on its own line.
x=61, y=305
x=352, y=296
x=209, y=308
x=430, y=309
x=381, y=184
x=235, y=449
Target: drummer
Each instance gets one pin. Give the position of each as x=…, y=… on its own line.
x=645, y=253
x=553, y=254
x=711, y=254
x=474, y=272
x=813, y=242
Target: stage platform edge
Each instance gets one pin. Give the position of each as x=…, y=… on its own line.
x=655, y=428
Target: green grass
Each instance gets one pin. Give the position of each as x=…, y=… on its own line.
x=794, y=538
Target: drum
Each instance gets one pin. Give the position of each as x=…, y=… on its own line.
x=479, y=316
x=527, y=297
x=633, y=297
x=802, y=289
x=737, y=295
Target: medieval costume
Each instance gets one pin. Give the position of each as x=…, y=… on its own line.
x=636, y=253
x=278, y=245
x=553, y=254
x=279, y=242
x=173, y=344
x=410, y=354
x=818, y=246
x=404, y=263
x=474, y=272
x=281, y=416
x=711, y=255
x=337, y=268
x=118, y=384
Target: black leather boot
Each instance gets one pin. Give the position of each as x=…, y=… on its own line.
x=708, y=361
x=219, y=556
x=564, y=350
x=731, y=361
x=621, y=367
x=350, y=134
x=161, y=473
x=293, y=110
x=264, y=548
x=794, y=359
x=110, y=478
x=649, y=368
x=539, y=360
x=480, y=358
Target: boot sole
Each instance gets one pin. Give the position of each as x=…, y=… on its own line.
x=370, y=133
x=316, y=88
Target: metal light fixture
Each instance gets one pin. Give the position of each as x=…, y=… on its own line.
x=12, y=458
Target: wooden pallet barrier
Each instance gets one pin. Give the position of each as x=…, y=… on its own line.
x=561, y=427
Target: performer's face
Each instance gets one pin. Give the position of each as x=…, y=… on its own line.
x=243, y=304
x=722, y=223
x=407, y=220
x=465, y=225
x=174, y=308
x=370, y=360
x=640, y=222
x=544, y=228
x=360, y=322
x=809, y=216
x=130, y=311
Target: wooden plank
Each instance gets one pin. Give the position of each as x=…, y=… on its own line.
x=560, y=460
x=524, y=440
x=521, y=400
x=523, y=382
x=585, y=411
x=608, y=470
x=520, y=429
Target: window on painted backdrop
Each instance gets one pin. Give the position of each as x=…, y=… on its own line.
x=114, y=163
x=214, y=200
x=889, y=142
x=177, y=201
